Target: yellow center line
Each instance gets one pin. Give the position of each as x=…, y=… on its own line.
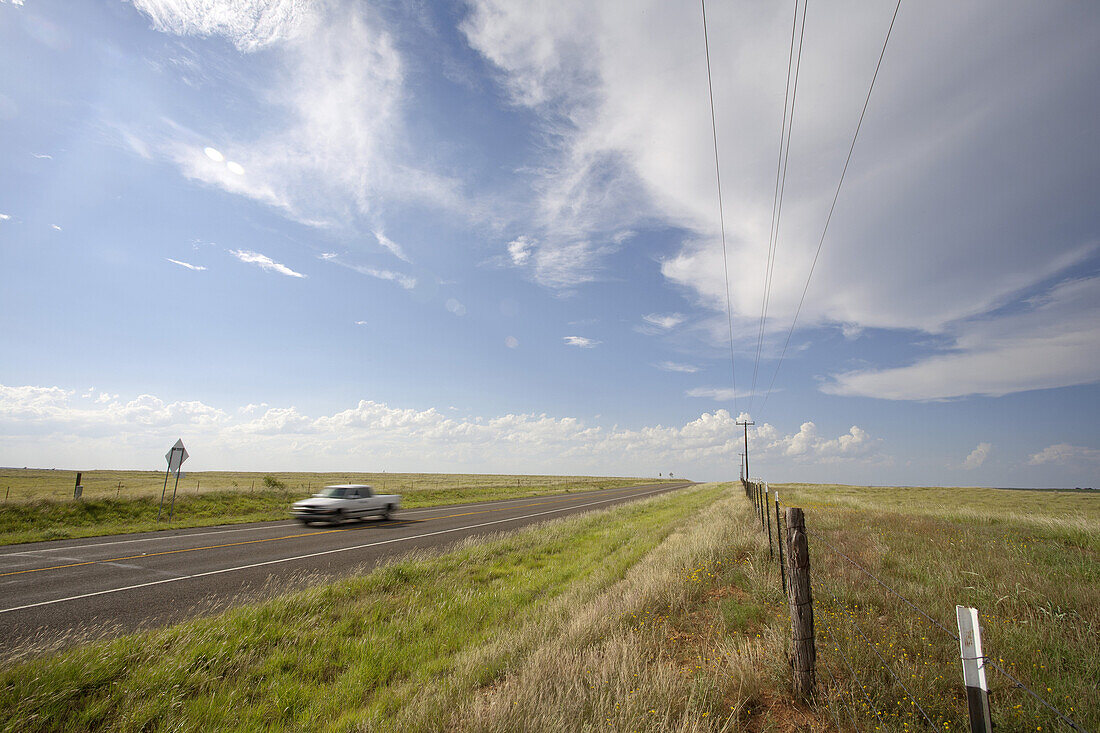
x=254, y=542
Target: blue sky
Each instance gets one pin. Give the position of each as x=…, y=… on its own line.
x=485, y=237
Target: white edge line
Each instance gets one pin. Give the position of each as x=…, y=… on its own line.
x=315, y=554
x=147, y=539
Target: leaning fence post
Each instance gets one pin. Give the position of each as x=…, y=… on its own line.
x=779, y=542
x=803, y=655
x=977, y=691
x=769, y=516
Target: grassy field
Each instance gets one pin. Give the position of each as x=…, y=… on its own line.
x=40, y=504
x=662, y=615
x=593, y=622
x=1029, y=561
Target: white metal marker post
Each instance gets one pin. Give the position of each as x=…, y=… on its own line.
x=977, y=691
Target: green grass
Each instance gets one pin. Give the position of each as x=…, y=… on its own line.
x=404, y=647
x=1029, y=561
x=661, y=615
x=42, y=508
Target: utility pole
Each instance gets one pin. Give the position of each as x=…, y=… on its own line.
x=747, y=424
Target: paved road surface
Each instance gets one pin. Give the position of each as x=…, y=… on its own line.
x=58, y=593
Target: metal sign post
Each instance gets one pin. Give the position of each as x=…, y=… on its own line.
x=973, y=663
x=175, y=456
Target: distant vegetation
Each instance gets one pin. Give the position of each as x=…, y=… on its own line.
x=40, y=504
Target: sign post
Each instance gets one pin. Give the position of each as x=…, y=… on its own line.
x=175, y=456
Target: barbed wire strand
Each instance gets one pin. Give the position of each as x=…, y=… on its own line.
x=986, y=660
x=897, y=679
x=855, y=677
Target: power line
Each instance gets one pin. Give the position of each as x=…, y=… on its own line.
x=721, y=209
x=780, y=185
x=832, y=207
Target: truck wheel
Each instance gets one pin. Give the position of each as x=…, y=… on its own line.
x=387, y=513
x=339, y=517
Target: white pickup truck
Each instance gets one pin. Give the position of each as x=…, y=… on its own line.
x=344, y=501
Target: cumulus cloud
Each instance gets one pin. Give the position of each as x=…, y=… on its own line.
x=511, y=342
x=188, y=265
x=5, y=217
x=263, y=262
x=581, y=341
x=519, y=250
x=1064, y=453
x=977, y=456
x=284, y=437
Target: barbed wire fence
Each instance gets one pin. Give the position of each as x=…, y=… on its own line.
x=766, y=504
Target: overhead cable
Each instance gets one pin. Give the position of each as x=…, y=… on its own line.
x=721, y=210
x=832, y=207
x=789, y=97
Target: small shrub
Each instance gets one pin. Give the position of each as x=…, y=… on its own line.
x=273, y=483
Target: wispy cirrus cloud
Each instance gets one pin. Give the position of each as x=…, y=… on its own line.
x=672, y=366
x=717, y=393
x=1052, y=342
x=404, y=281
x=664, y=322
x=580, y=342
x=264, y=262
x=391, y=245
x=188, y=265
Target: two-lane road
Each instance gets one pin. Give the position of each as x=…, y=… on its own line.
x=51, y=592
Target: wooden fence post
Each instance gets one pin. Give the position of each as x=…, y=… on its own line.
x=977, y=691
x=803, y=654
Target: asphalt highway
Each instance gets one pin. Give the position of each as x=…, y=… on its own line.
x=53, y=594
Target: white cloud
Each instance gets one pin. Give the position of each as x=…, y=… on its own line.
x=136, y=432
x=930, y=192
x=391, y=245
x=455, y=307
x=248, y=24
x=664, y=322
x=5, y=217
x=1053, y=342
x=581, y=341
x=519, y=250
x=329, y=153
x=671, y=366
x=716, y=393
x=511, y=342
x=264, y=262
x=978, y=456
x=1064, y=453
x=42, y=156
x=214, y=154
x=361, y=323
x=403, y=280
x=328, y=256
x=188, y=265
x=56, y=227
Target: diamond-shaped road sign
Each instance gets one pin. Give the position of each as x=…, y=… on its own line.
x=176, y=456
